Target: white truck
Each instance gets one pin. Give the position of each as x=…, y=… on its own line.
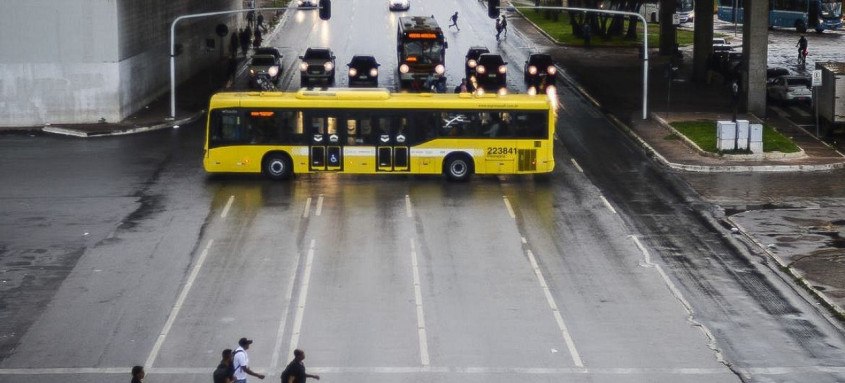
x=830, y=96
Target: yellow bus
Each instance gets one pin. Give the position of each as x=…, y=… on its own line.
x=373, y=131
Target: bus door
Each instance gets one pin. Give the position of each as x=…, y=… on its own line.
x=325, y=149
x=392, y=144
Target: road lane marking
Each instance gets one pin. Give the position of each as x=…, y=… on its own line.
x=570, y=344
x=711, y=340
x=277, y=349
x=303, y=295
x=576, y=165
x=226, y=208
x=319, y=206
x=780, y=112
x=607, y=203
x=510, y=208
x=408, y=211
x=307, y=208
x=424, y=358
x=799, y=111
x=178, y=306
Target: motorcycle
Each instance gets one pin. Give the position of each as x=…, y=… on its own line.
x=263, y=82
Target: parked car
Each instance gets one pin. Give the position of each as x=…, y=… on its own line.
x=317, y=66
x=790, y=89
x=539, y=72
x=308, y=3
x=398, y=5
x=472, y=60
x=491, y=73
x=264, y=66
x=363, y=71
x=773, y=73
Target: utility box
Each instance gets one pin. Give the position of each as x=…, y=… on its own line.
x=755, y=144
x=725, y=135
x=830, y=96
x=742, y=134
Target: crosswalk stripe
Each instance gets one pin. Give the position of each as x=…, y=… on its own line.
x=799, y=111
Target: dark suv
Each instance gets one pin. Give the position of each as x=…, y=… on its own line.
x=317, y=66
x=472, y=60
x=363, y=71
x=539, y=72
x=491, y=73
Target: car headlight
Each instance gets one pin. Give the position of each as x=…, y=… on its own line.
x=273, y=71
x=328, y=65
x=472, y=63
x=532, y=91
x=503, y=91
x=440, y=69
x=353, y=72
x=251, y=72
x=373, y=72
x=479, y=91
x=303, y=66
x=532, y=70
x=503, y=69
x=551, y=70
x=480, y=69
x=404, y=68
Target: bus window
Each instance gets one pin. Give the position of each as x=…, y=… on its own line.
x=529, y=125
x=359, y=130
x=226, y=128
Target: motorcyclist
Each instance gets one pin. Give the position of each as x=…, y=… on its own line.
x=802, y=48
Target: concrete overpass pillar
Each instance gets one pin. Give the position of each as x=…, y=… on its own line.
x=755, y=48
x=667, y=30
x=702, y=39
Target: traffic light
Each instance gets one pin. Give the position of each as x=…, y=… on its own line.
x=493, y=9
x=325, y=9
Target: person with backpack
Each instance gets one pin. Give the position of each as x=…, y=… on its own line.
x=224, y=373
x=295, y=371
x=240, y=362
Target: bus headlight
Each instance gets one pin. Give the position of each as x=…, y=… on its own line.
x=404, y=68
x=503, y=91
x=532, y=70
x=373, y=72
x=328, y=65
x=472, y=63
x=440, y=69
x=551, y=70
x=503, y=69
x=303, y=66
x=532, y=91
x=273, y=71
x=480, y=69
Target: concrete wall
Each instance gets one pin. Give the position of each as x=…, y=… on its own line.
x=755, y=48
x=76, y=61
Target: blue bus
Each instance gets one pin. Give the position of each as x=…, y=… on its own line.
x=799, y=14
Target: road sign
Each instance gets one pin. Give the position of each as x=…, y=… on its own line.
x=817, y=77
x=676, y=19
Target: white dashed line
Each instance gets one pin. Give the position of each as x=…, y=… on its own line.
x=319, y=206
x=607, y=203
x=408, y=210
x=575, y=163
x=510, y=208
x=226, y=208
x=178, y=306
x=277, y=350
x=424, y=359
x=307, y=208
x=303, y=295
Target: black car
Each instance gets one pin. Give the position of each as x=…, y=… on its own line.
x=472, y=60
x=272, y=51
x=317, y=67
x=491, y=73
x=539, y=72
x=363, y=71
x=264, y=68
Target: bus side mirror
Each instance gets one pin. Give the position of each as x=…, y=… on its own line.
x=325, y=9
x=493, y=9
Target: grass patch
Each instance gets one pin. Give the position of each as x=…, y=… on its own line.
x=561, y=31
x=703, y=134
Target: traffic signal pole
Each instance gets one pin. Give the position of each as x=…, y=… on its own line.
x=494, y=4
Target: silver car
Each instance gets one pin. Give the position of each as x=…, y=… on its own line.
x=790, y=89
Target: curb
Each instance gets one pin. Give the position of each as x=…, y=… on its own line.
x=790, y=270
x=83, y=134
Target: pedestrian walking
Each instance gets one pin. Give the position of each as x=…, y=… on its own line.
x=244, y=41
x=224, y=373
x=454, y=19
x=240, y=362
x=138, y=374
x=233, y=44
x=257, y=41
x=498, y=28
x=504, y=24
x=250, y=16
x=295, y=371
x=261, y=22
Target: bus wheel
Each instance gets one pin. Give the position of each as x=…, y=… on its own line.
x=800, y=26
x=278, y=166
x=458, y=167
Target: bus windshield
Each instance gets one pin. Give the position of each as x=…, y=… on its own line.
x=685, y=5
x=831, y=9
x=425, y=51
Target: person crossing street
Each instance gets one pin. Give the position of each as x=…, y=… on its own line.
x=454, y=19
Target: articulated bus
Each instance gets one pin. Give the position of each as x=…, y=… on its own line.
x=799, y=14
x=650, y=9
x=372, y=131
x=421, y=51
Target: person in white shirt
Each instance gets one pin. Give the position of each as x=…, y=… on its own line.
x=240, y=362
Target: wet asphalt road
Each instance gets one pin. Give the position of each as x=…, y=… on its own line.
x=121, y=251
